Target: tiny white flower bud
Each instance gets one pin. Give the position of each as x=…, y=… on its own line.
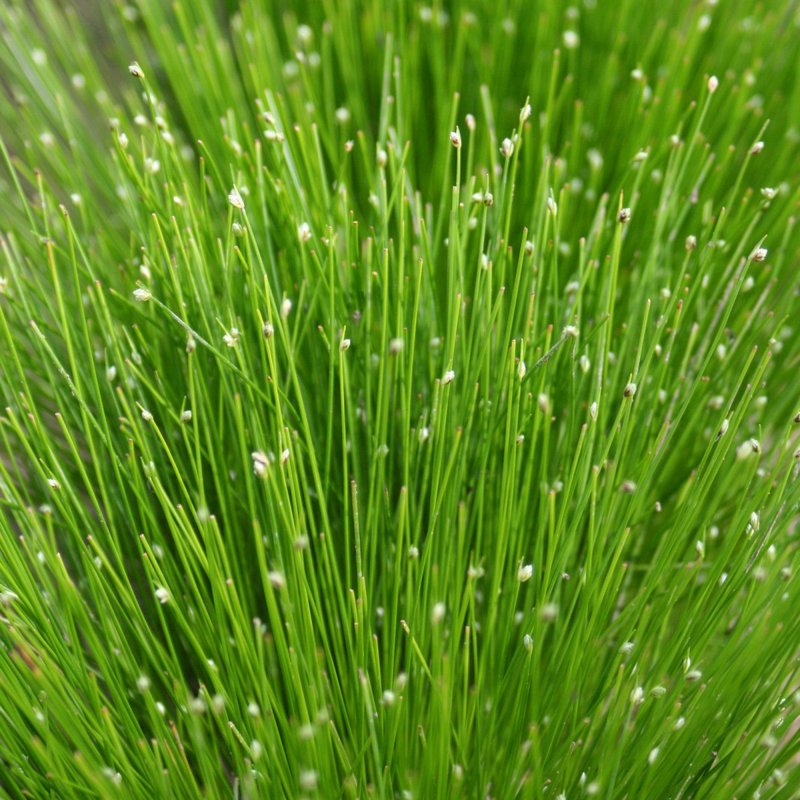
x=143, y=683
x=438, y=613
x=652, y=756
x=455, y=138
x=506, y=148
x=593, y=410
x=162, y=595
x=768, y=192
x=413, y=552
x=304, y=232
x=521, y=370
x=235, y=199
x=186, y=415
x=759, y=254
x=713, y=83
x=543, y=401
x=700, y=547
x=571, y=40
x=135, y=70
x=629, y=390
x=142, y=295
x=388, y=698
x=308, y=780
x=395, y=346
x=637, y=696
x=552, y=206
x=524, y=572
x=448, y=377
x=268, y=330
x=624, y=215
x=276, y=579
x=146, y=415
x=231, y=338
x=344, y=345
x=470, y=120
x=756, y=148
x=525, y=113
x=286, y=307
x=382, y=158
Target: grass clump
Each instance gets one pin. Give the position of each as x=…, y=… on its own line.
x=399, y=400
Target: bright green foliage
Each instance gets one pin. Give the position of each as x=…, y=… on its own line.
x=350, y=450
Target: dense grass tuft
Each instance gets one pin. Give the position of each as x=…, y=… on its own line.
x=399, y=400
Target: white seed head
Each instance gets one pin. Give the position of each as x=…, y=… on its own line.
x=593, y=410
x=524, y=572
x=162, y=595
x=755, y=522
x=713, y=84
x=448, y=377
x=135, y=70
x=570, y=331
x=470, y=120
x=309, y=779
x=548, y=612
x=543, y=401
x=488, y=199
x=382, y=158
x=146, y=415
x=143, y=683
x=525, y=113
x=268, y=330
x=768, y=192
x=253, y=710
x=759, y=254
x=756, y=148
x=506, y=148
x=344, y=345
x=747, y=448
x=286, y=307
x=395, y=346
x=438, y=613
x=693, y=675
x=231, y=338
x=235, y=199
x=276, y=579
x=413, y=552
x=691, y=242
x=455, y=138
x=552, y=206
x=521, y=370
x=304, y=232
x=652, y=756
x=142, y=295
x=186, y=415
x=700, y=548
x=624, y=215
x=527, y=642
x=388, y=698
x=637, y=696
x=571, y=40
x=629, y=390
